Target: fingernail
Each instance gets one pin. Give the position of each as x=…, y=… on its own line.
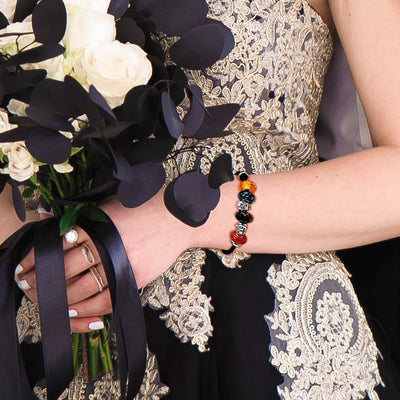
x=18, y=269
x=24, y=285
x=72, y=313
x=94, y=326
x=41, y=210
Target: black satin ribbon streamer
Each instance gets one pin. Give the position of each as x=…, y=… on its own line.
x=53, y=307
x=128, y=320
x=14, y=384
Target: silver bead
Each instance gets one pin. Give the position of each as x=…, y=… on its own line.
x=241, y=228
x=243, y=206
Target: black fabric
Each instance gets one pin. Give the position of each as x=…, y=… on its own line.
x=236, y=367
x=375, y=273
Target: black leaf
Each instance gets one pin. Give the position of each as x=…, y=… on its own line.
x=3, y=181
x=109, y=132
x=123, y=171
x=190, y=198
x=81, y=99
x=199, y=48
x=13, y=83
x=179, y=83
x=146, y=180
x=195, y=116
x=160, y=72
x=134, y=102
x=98, y=99
x=171, y=117
x=54, y=97
x=35, y=55
x=52, y=121
x=23, y=9
x=14, y=135
x=49, y=20
x=221, y=171
x=128, y=31
x=149, y=150
x=155, y=49
x=3, y=21
x=146, y=6
x=216, y=119
x=18, y=201
x=229, y=40
x=142, y=107
x=48, y=146
x=175, y=17
x=118, y=8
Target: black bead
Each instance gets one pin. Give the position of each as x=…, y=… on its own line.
x=244, y=217
x=243, y=176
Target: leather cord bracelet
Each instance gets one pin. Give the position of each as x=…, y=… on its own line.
x=246, y=199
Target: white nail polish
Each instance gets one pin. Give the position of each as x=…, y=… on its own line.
x=72, y=313
x=18, y=269
x=41, y=210
x=24, y=285
x=94, y=326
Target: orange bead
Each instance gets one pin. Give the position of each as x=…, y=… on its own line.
x=247, y=185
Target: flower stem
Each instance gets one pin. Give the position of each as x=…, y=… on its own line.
x=75, y=351
x=107, y=349
x=103, y=357
x=56, y=181
x=94, y=355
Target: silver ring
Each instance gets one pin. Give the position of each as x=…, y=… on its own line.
x=87, y=253
x=98, y=278
x=71, y=237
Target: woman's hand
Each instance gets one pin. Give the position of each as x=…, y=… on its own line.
x=153, y=239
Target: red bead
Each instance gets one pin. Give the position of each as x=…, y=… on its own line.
x=237, y=239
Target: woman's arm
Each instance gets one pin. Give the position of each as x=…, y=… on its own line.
x=352, y=200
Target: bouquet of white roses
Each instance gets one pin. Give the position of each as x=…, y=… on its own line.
x=88, y=109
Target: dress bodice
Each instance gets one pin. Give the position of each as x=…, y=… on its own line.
x=275, y=72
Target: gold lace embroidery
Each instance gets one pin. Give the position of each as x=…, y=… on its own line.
x=108, y=388
x=28, y=322
x=320, y=339
x=178, y=289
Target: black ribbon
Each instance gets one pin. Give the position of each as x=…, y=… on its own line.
x=127, y=322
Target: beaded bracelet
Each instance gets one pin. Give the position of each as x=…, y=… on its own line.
x=246, y=199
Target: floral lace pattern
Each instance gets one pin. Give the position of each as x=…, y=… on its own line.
x=108, y=388
x=28, y=322
x=320, y=339
x=178, y=289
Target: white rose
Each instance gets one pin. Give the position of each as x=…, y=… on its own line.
x=17, y=107
x=8, y=43
x=96, y=5
x=63, y=168
x=7, y=7
x=21, y=164
x=86, y=26
x=53, y=66
x=114, y=68
x=4, y=123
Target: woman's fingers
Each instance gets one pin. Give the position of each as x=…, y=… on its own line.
x=92, y=307
x=90, y=283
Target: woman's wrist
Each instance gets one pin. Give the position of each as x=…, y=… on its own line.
x=214, y=233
